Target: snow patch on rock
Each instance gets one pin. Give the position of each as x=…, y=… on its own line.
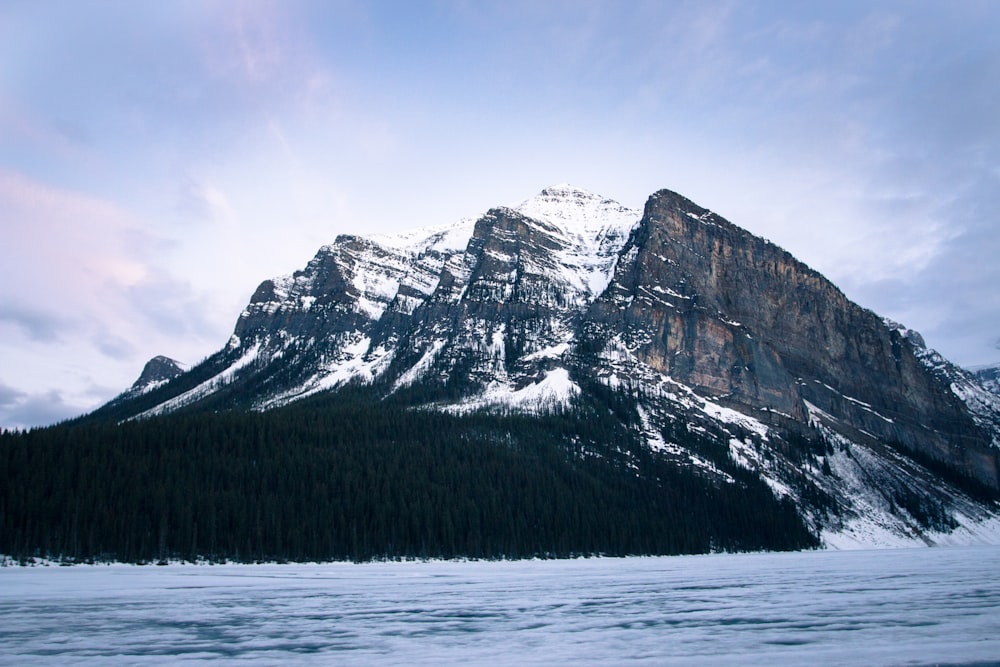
x=554, y=391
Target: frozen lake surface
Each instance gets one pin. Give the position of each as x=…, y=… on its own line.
x=892, y=607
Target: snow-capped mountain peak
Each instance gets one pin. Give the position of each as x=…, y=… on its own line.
x=578, y=211
x=569, y=295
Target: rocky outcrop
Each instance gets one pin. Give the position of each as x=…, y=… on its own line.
x=157, y=371
x=739, y=319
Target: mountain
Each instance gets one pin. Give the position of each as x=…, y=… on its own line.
x=988, y=377
x=158, y=371
x=713, y=351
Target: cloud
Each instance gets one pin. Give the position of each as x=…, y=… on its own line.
x=65, y=257
x=38, y=325
x=66, y=231
x=173, y=307
x=114, y=347
x=86, y=292
x=203, y=201
x=260, y=47
x=23, y=410
x=9, y=395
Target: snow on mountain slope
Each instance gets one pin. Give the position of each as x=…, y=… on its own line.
x=337, y=317
x=207, y=387
x=553, y=391
x=568, y=297
x=594, y=228
x=857, y=493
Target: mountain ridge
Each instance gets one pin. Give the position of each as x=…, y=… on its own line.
x=568, y=292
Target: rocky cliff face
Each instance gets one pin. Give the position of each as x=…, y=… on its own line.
x=738, y=319
x=700, y=324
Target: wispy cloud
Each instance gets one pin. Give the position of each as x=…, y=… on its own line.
x=85, y=279
x=201, y=201
x=55, y=234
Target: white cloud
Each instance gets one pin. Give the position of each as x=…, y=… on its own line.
x=80, y=287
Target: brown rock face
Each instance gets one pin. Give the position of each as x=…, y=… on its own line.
x=739, y=319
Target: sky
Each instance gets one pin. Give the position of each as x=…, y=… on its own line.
x=159, y=160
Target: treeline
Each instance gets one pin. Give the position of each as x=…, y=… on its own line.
x=329, y=481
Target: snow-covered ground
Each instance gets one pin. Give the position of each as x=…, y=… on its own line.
x=888, y=607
